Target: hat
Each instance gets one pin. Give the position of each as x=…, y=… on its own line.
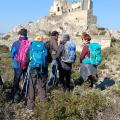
x=39, y=38
x=23, y=31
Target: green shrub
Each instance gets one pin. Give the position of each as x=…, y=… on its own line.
x=6, y=70
x=4, y=49
x=67, y=106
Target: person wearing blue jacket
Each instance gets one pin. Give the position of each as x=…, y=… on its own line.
x=18, y=72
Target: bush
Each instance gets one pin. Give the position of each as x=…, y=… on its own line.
x=107, y=55
x=4, y=49
x=6, y=70
x=67, y=106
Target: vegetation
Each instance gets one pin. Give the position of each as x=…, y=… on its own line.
x=65, y=106
x=82, y=103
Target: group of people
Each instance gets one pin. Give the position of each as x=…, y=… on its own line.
x=31, y=59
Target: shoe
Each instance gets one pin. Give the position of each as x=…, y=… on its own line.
x=51, y=82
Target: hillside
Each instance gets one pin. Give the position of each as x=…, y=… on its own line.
x=82, y=103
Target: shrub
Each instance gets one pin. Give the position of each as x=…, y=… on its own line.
x=67, y=106
x=6, y=63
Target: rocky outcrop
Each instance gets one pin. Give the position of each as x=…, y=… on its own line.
x=63, y=24
x=72, y=23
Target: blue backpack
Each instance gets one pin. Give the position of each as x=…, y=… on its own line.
x=95, y=54
x=69, y=52
x=38, y=55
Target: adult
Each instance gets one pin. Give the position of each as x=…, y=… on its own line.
x=88, y=71
x=18, y=71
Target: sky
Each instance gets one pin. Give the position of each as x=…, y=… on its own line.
x=16, y=12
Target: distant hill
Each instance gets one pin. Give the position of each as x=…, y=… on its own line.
x=1, y=34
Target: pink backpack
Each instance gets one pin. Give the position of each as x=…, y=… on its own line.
x=21, y=57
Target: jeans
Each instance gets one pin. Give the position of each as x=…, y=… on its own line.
x=17, y=75
x=53, y=73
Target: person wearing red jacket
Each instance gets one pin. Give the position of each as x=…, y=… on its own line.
x=87, y=71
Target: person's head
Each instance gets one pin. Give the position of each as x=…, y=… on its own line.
x=66, y=38
x=55, y=34
x=39, y=38
x=86, y=38
x=23, y=32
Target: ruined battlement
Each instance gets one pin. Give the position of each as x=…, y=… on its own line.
x=83, y=8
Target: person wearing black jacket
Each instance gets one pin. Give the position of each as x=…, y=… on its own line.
x=64, y=67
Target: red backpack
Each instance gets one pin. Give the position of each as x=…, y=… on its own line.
x=21, y=57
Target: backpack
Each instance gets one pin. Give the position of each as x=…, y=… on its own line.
x=21, y=57
x=38, y=55
x=95, y=54
x=69, y=54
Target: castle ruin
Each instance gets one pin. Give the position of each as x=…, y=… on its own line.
x=81, y=11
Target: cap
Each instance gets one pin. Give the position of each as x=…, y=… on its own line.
x=39, y=38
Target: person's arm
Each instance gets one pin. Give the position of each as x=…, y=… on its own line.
x=59, y=52
x=84, y=53
x=12, y=52
x=54, y=45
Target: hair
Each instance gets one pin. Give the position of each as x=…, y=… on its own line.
x=23, y=31
x=86, y=36
x=54, y=33
x=66, y=37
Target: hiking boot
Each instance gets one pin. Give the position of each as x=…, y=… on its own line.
x=51, y=82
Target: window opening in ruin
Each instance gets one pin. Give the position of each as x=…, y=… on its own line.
x=58, y=9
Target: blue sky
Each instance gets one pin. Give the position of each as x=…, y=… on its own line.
x=15, y=12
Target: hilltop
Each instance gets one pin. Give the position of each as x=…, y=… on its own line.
x=66, y=17
x=99, y=103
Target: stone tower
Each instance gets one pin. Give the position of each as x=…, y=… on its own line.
x=87, y=4
x=57, y=8
x=79, y=12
